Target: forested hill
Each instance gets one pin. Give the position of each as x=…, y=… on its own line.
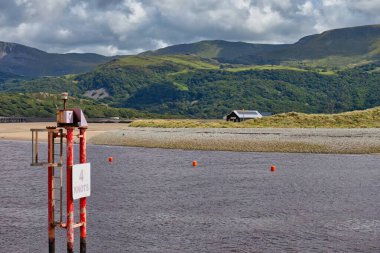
x=204, y=80
x=358, y=42
x=196, y=87
x=21, y=60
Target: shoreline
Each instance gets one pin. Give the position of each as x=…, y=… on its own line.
x=284, y=140
x=21, y=131
x=323, y=141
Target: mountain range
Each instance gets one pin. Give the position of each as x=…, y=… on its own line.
x=337, y=70
x=362, y=42
x=21, y=60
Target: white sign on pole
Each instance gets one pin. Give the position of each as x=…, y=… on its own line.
x=81, y=180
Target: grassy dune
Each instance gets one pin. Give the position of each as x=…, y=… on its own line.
x=356, y=119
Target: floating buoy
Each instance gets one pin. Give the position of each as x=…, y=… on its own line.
x=195, y=163
x=272, y=168
x=110, y=159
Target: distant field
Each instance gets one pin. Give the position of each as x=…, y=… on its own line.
x=357, y=119
x=185, y=61
x=195, y=62
x=264, y=67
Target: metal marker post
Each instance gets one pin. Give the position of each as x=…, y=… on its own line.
x=82, y=159
x=51, y=226
x=68, y=119
x=69, y=197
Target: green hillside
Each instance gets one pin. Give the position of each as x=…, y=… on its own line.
x=45, y=105
x=202, y=88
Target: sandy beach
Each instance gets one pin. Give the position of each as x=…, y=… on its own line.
x=295, y=140
x=21, y=131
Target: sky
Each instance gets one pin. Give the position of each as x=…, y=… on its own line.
x=114, y=27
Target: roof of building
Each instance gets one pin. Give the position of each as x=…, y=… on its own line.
x=247, y=114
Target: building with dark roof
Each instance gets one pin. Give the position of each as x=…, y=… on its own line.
x=241, y=115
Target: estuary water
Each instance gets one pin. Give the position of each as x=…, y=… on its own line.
x=153, y=200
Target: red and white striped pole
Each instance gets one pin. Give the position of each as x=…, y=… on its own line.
x=82, y=159
x=69, y=194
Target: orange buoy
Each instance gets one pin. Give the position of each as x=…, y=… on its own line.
x=272, y=168
x=110, y=159
x=195, y=163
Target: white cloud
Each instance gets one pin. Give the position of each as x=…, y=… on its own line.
x=283, y=4
x=138, y=13
x=307, y=8
x=51, y=6
x=130, y=26
x=261, y=20
x=64, y=33
x=242, y=4
x=24, y=31
x=105, y=50
x=160, y=44
x=20, y=2
x=332, y=2
x=367, y=6
x=125, y=21
x=79, y=10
